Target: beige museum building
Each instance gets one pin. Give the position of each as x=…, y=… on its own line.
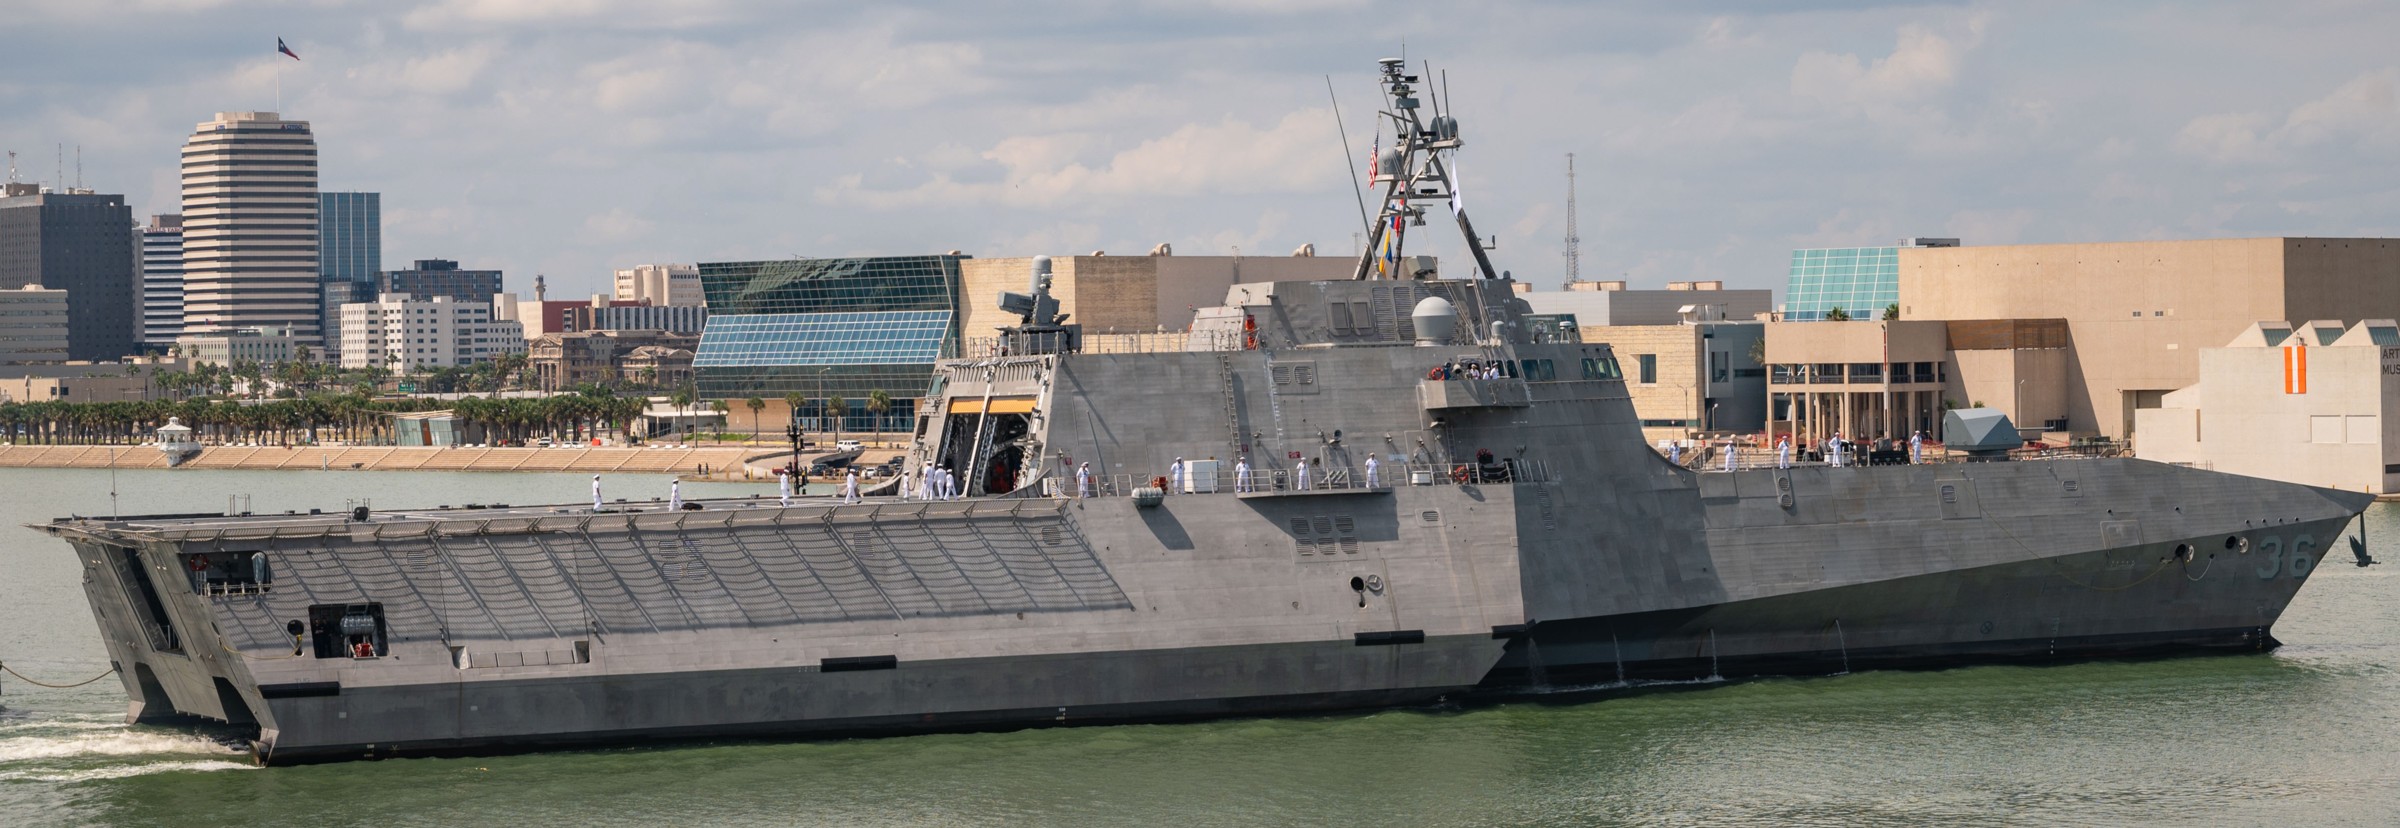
x=2138, y=314
x=2310, y=404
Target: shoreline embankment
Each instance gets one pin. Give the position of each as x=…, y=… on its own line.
x=722, y=462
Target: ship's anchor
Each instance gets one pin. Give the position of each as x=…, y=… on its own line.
x=2358, y=545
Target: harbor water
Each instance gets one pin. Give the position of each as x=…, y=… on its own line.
x=2306, y=735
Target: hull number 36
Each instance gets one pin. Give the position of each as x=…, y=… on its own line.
x=2274, y=559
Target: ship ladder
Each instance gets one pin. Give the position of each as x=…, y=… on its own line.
x=1233, y=417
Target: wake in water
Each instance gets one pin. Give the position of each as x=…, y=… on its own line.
x=76, y=749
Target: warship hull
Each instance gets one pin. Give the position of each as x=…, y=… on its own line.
x=526, y=629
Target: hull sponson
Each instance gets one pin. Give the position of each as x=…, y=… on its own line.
x=517, y=713
x=2112, y=602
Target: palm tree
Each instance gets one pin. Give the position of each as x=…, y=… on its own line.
x=793, y=399
x=755, y=404
x=721, y=409
x=683, y=404
x=879, y=403
x=841, y=409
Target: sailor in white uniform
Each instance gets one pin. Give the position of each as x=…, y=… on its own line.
x=1783, y=452
x=1175, y=477
x=1241, y=475
x=850, y=487
x=675, y=496
x=1371, y=471
x=783, y=487
x=1083, y=480
x=1300, y=475
x=1916, y=448
x=1729, y=452
x=595, y=493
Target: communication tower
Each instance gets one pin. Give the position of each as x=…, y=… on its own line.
x=1574, y=251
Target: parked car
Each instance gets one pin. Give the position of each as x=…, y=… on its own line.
x=848, y=445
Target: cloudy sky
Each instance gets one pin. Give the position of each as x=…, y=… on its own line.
x=567, y=137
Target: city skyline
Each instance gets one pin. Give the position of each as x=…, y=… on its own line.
x=574, y=139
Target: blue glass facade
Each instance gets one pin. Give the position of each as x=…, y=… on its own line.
x=828, y=328
x=1861, y=281
x=350, y=241
x=853, y=338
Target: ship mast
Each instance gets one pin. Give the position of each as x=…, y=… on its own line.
x=1413, y=169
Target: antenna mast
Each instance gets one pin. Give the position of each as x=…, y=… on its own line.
x=1574, y=238
x=1414, y=169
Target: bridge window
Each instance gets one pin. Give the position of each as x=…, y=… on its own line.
x=228, y=573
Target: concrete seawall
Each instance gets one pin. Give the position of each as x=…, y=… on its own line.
x=388, y=458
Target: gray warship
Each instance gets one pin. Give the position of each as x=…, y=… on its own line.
x=1385, y=491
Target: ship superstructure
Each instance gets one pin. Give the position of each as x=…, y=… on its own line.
x=1382, y=491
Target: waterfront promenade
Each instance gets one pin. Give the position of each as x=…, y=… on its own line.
x=597, y=460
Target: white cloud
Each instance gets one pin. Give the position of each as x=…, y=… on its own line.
x=2363, y=114
x=1921, y=65
x=565, y=136
x=1295, y=154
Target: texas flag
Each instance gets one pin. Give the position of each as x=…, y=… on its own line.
x=285, y=49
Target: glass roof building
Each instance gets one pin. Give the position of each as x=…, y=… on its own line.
x=828, y=328
x=1861, y=281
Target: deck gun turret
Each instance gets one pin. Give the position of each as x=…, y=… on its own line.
x=1041, y=328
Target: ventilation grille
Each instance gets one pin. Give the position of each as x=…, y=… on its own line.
x=1052, y=536
x=1296, y=373
x=1325, y=536
x=1949, y=494
x=1431, y=516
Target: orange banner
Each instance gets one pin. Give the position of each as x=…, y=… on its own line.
x=2295, y=369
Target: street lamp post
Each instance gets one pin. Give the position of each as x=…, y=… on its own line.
x=792, y=430
x=821, y=399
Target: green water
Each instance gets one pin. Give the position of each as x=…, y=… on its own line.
x=2308, y=735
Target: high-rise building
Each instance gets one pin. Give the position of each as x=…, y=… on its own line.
x=685, y=319
x=33, y=325
x=401, y=332
x=250, y=227
x=441, y=277
x=349, y=253
x=670, y=285
x=80, y=242
x=162, y=281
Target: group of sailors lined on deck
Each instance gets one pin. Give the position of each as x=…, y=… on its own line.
x=1466, y=369
x=931, y=483
x=1244, y=481
x=1836, y=451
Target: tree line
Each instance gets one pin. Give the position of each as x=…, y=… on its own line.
x=303, y=420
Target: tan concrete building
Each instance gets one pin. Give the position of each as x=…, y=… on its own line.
x=1595, y=304
x=2139, y=313
x=1868, y=379
x=1127, y=294
x=103, y=388
x=562, y=361
x=1690, y=380
x=2311, y=403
